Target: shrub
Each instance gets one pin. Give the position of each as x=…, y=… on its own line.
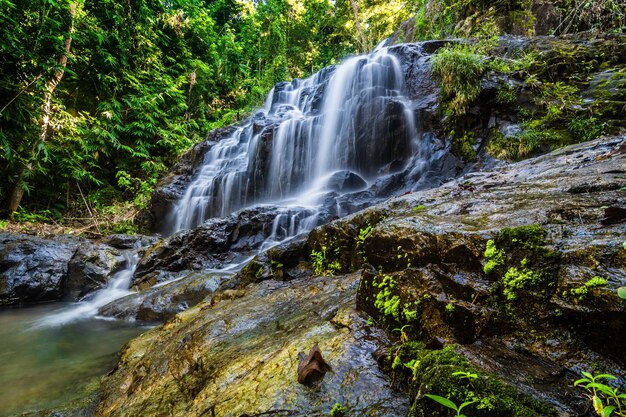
x=460, y=69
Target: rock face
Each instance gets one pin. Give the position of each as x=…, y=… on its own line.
x=32, y=269
x=237, y=354
x=90, y=269
x=498, y=266
x=513, y=266
x=160, y=303
x=215, y=244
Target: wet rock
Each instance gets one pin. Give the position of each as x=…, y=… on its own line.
x=90, y=268
x=162, y=302
x=32, y=269
x=119, y=241
x=425, y=260
x=215, y=244
x=344, y=181
x=238, y=355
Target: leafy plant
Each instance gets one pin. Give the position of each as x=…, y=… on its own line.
x=594, y=282
x=607, y=401
x=459, y=68
x=322, y=265
x=449, y=404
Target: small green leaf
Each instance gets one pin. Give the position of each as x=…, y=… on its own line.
x=443, y=401
x=606, y=411
x=621, y=292
x=601, y=387
x=581, y=381
x=606, y=376
x=466, y=403
x=588, y=375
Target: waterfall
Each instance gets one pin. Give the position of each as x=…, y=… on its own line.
x=117, y=287
x=316, y=141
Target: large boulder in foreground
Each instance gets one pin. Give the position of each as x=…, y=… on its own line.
x=236, y=354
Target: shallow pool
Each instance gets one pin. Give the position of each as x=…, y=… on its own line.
x=42, y=367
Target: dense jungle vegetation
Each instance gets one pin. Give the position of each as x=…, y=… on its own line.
x=98, y=98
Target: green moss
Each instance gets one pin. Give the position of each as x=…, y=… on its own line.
x=448, y=374
x=582, y=291
x=338, y=410
x=462, y=145
x=495, y=257
x=386, y=302
x=521, y=279
x=518, y=258
x=532, y=236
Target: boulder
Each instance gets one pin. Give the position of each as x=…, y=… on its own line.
x=90, y=269
x=32, y=268
x=212, y=245
x=162, y=302
x=344, y=181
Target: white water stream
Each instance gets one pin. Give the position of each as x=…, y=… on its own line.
x=335, y=121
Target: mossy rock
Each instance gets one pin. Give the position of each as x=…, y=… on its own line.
x=446, y=373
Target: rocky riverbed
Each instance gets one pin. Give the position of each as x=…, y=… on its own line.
x=235, y=353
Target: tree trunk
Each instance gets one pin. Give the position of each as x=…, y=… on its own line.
x=18, y=187
x=355, y=10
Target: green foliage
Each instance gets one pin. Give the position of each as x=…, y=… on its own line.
x=386, y=301
x=449, y=404
x=506, y=94
x=524, y=265
x=582, y=291
x=460, y=70
x=338, y=410
x=586, y=128
x=607, y=401
x=145, y=80
x=3, y=224
x=517, y=279
x=531, y=236
x=454, y=379
x=322, y=265
x=495, y=257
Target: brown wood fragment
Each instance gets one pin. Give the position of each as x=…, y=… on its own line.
x=312, y=367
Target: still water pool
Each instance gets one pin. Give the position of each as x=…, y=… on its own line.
x=43, y=367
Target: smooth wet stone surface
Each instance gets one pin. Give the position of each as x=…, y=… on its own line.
x=237, y=354
x=162, y=302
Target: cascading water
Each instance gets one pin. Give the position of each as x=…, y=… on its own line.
x=116, y=288
x=316, y=141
